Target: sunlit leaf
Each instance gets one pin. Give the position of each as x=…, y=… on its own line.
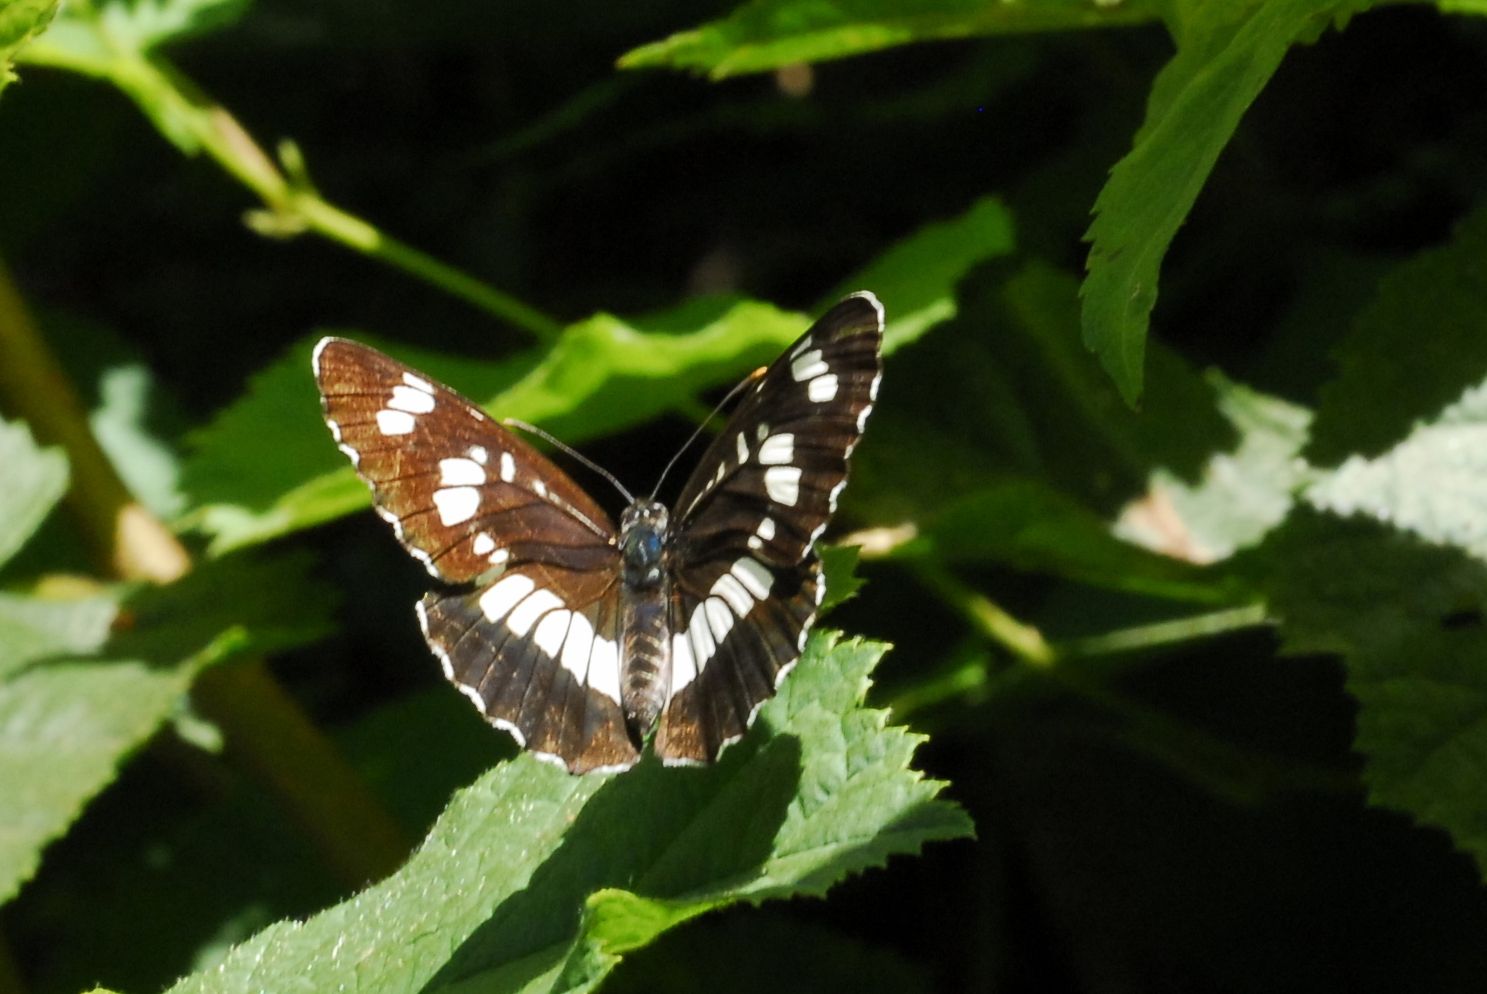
x=768, y=34
x=544, y=879
x=1226, y=55
x=1242, y=494
x=20, y=22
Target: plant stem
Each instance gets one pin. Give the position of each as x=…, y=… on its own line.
x=195, y=122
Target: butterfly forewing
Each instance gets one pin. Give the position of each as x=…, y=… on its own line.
x=464, y=494
x=535, y=647
x=745, y=583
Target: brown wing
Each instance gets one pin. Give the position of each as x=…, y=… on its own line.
x=464, y=495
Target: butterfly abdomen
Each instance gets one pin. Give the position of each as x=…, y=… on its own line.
x=645, y=661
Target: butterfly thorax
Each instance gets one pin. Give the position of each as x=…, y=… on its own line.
x=645, y=662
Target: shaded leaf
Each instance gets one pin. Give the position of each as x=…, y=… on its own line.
x=1226, y=55
x=1028, y=526
x=1391, y=373
x=821, y=788
x=66, y=723
x=767, y=34
x=35, y=480
x=1407, y=620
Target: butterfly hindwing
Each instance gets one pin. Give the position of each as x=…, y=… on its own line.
x=464, y=495
x=537, y=652
x=745, y=579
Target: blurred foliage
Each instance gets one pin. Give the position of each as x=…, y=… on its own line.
x=1174, y=517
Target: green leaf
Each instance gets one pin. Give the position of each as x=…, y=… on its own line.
x=915, y=279
x=1433, y=484
x=1406, y=618
x=839, y=565
x=150, y=468
x=1392, y=375
x=1226, y=55
x=35, y=480
x=20, y=22
x=1029, y=526
x=1242, y=494
x=64, y=728
x=768, y=34
x=67, y=723
x=90, y=36
x=502, y=894
x=33, y=628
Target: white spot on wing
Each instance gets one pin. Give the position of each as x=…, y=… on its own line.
x=538, y=603
x=719, y=618
x=508, y=468
x=754, y=576
x=456, y=504
x=410, y=400
x=539, y=488
x=394, y=422
x=778, y=450
x=701, y=637
x=807, y=366
x=418, y=382
x=578, y=647
x=728, y=587
x=500, y=556
x=765, y=529
x=460, y=472
x=552, y=631
x=483, y=544
x=604, y=668
x=761, y=432
x=783, y=484
x=822, y=388
x=498, y=601
x=479, y=454
x=683, y=664
x=743, y=449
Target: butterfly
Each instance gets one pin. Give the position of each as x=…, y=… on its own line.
x=579, y=638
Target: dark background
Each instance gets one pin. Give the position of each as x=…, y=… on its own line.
x=501, y=138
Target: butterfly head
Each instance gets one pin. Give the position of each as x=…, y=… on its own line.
x=643, y=541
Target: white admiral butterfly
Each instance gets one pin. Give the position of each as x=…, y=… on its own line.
x=578, y=638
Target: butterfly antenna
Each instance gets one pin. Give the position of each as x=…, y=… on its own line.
x=697, y=433
x=534, y=430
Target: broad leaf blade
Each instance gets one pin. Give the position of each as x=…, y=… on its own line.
x=35, y=480
x=915, y=279
x=1242, y=494
x=68, y=720
x=1410, y=351
x=1385, y=602
x=1227, y=54
x=819, y=789
x=1433, y=484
